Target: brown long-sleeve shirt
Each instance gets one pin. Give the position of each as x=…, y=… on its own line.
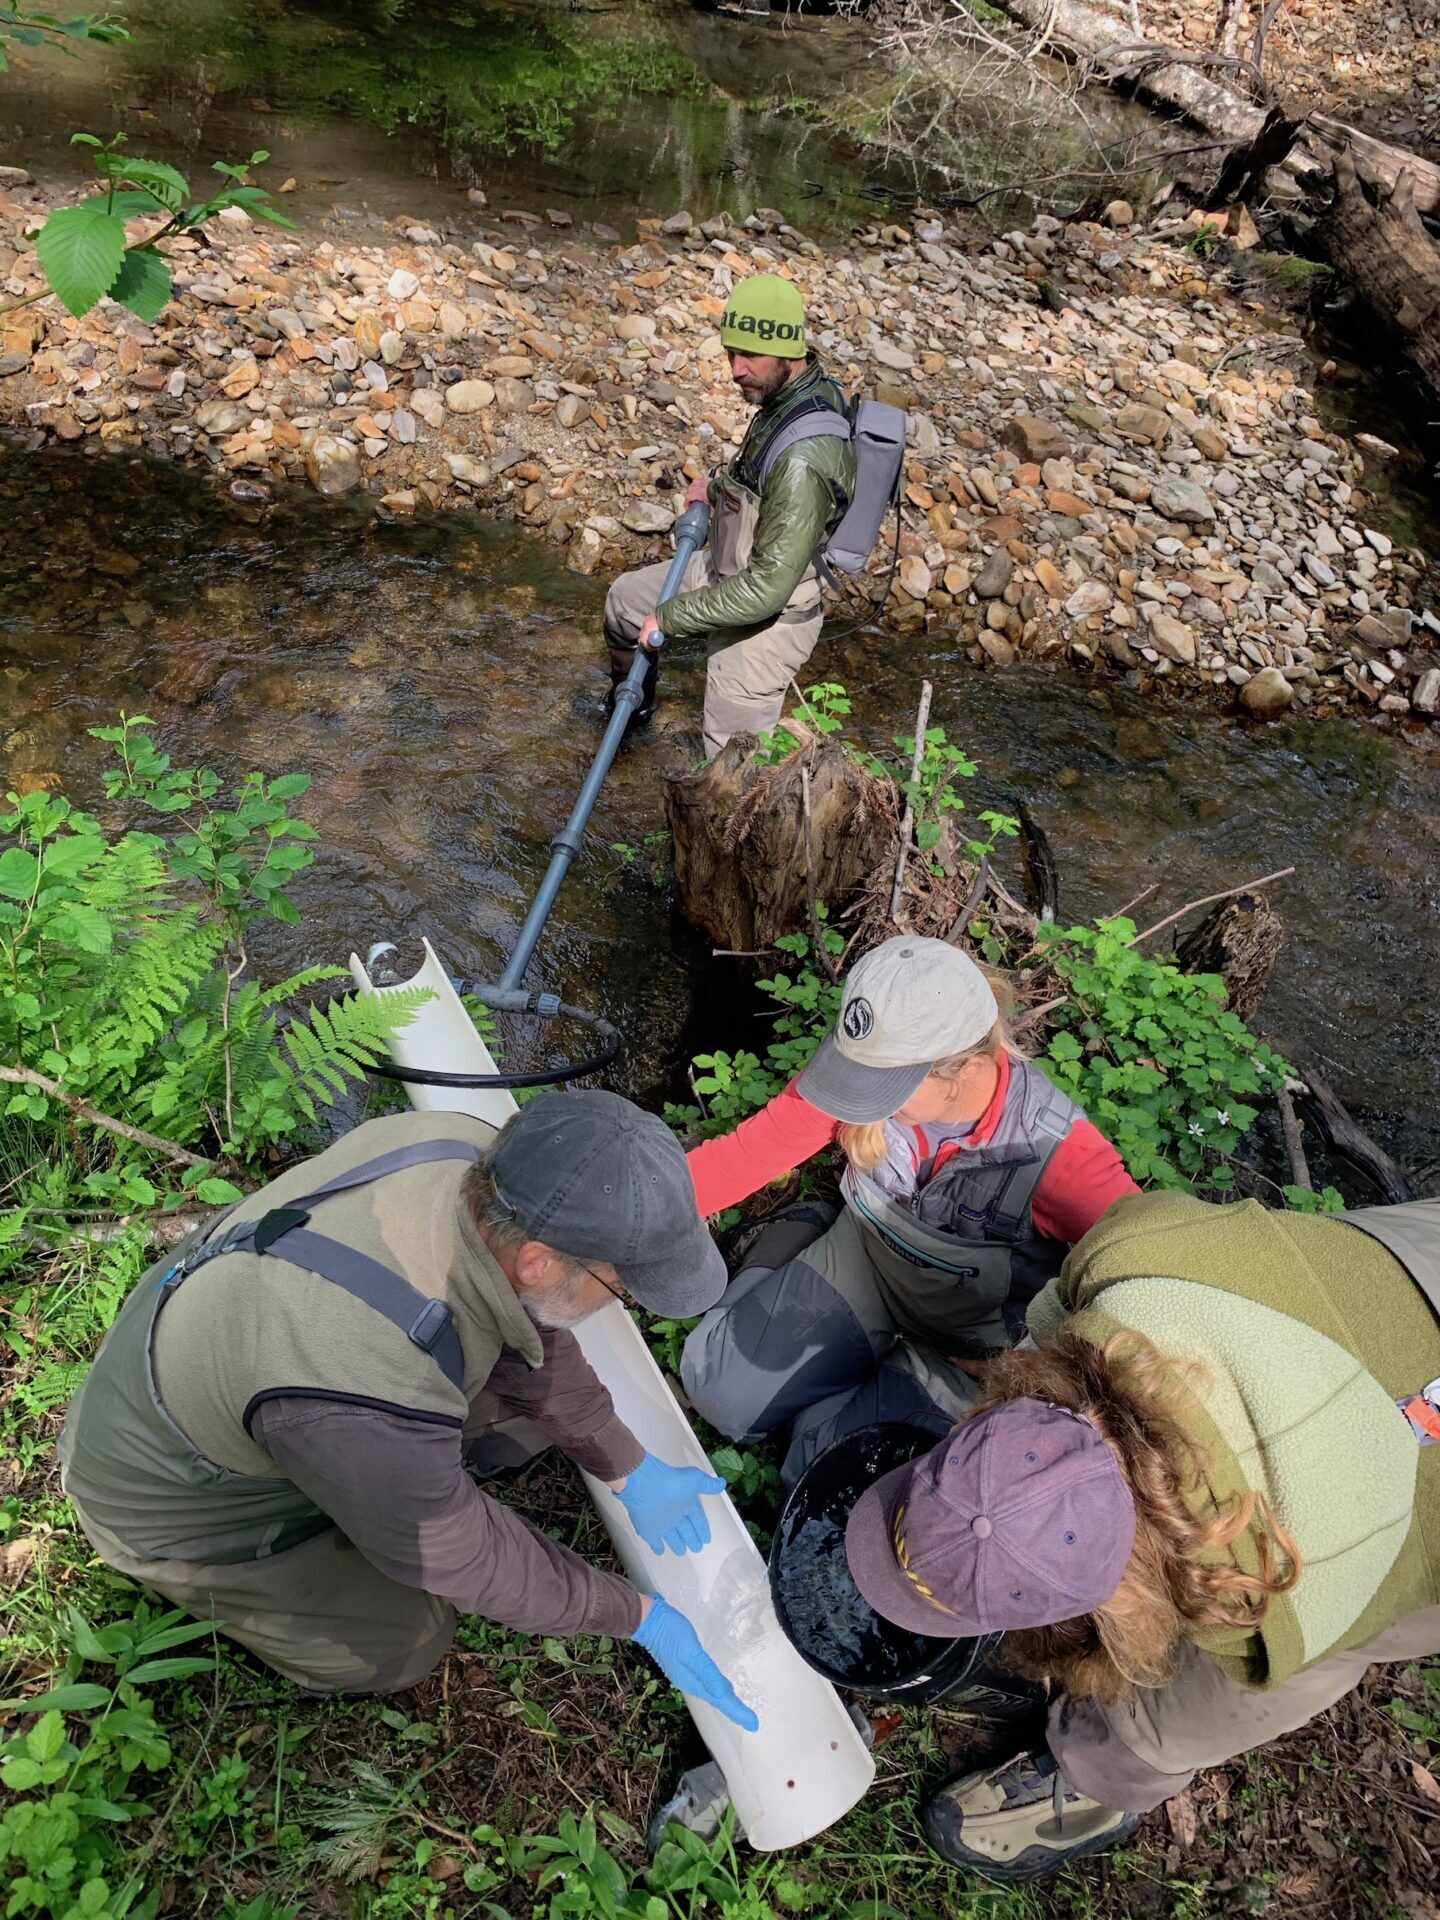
x=398, y=1489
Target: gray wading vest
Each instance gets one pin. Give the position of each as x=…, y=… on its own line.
x=960, y=1259
x=877, y=433
x=251, y=1517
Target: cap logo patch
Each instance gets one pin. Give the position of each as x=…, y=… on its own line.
x=857, y=1018
x=761, y=327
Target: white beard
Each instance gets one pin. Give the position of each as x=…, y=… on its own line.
x=559, y=1306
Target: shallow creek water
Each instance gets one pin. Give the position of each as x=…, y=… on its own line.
x=603, y=111
x=441, y=680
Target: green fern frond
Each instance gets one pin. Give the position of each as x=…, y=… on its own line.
x=298, y=982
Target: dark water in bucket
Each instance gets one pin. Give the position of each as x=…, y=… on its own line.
x=823, y=1613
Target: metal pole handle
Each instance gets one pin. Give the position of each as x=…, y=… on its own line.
x=690, y=532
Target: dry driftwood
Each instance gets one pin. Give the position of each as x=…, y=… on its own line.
x=739, y=833
x=1168, y=78
x=1240, y=940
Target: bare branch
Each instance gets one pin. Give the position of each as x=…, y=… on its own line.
x=27, y=1077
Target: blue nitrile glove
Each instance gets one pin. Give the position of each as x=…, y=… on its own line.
x=663, y=1503
x=668, y=1637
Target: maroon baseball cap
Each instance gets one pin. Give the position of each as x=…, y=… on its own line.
x=1019, y=1518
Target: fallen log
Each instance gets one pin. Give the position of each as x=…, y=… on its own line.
x=1347, y=1139
x=1379, y=244
x=1168, y=78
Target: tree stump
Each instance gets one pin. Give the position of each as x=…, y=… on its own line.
x=1240, y=940
x=739, y=834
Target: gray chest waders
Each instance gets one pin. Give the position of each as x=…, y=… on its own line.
x=169, y=1507
x=963, y=1255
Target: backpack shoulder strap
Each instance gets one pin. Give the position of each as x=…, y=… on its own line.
x=285, y=1232
x=426, y=1323
x=817, y=420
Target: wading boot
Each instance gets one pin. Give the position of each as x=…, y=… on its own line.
x=646, y=707
x=1020, y=1821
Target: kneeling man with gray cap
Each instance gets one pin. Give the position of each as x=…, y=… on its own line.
x=277, y=1429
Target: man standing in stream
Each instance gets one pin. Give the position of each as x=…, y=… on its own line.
x=277, y=1430
x=752, y=594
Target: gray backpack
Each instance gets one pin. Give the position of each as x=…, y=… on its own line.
x=877, y=433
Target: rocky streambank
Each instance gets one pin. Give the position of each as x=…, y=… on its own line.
x=1116, y=459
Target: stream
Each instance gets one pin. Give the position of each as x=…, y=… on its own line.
x=440, y=676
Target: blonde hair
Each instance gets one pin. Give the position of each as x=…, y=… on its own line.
x=1177, y=1577
x=863, y=1142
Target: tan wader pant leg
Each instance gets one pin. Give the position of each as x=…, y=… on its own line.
x=319, y=1613
x=750, y=668
x=1143, y=1752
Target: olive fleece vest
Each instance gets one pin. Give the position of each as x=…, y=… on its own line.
x=1307, y=1330
x=966, y=1240
x=157, y=1445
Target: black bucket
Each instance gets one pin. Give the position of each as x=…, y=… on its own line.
x=826, y=1619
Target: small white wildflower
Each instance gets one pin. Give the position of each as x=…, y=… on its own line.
x=1196, y=1128
x=1222, y=1117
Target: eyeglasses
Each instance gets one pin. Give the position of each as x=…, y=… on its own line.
x=616, y=1293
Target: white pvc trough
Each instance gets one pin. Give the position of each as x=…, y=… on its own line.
x=807, y=1764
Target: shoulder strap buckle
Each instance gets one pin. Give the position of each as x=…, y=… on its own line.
x=272, y=1226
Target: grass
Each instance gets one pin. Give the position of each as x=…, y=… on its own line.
x=457, y=1798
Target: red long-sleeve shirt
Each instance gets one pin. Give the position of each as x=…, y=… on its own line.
x=1083, y=1177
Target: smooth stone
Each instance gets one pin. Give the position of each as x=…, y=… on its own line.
x=469, y=396
x=1266, y=693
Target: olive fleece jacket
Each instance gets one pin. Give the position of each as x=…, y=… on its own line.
x=797, y=504
x=1306, y=1331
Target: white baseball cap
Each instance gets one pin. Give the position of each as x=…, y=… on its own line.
x=907, y=1004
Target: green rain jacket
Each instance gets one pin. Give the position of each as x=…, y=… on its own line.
x=803, y=494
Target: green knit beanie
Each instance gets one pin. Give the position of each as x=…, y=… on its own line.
x=765, y=314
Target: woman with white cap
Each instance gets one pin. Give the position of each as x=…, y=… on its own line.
x=968, y=1175
x=1200, y=1505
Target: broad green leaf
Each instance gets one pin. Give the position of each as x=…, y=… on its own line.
x=177, y=1634
x=144, y=284
x=46, y=1737
x=217, y=1192
x=19, y=871
x=85, y=927
x=80, y=249
x=129, y=205
x=84, y=1696
x=176, y=1669
x=288, y=785
x=164, y=182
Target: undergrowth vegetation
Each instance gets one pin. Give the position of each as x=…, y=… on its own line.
x=147, y=1767
x=1151, y=1053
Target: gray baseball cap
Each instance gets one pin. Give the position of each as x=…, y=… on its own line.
x=597, y=1177
x=907, y=1004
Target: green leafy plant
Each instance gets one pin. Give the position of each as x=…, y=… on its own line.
x=122, y=962
x=825, y=707
x=72, y=1785
x=84, y=251
x=33, y=27
x=1153, y=1055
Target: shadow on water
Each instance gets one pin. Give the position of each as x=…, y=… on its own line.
x=601, y=111
x=440, y=678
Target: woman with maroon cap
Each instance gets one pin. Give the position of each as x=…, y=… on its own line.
x=1199, y=1504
